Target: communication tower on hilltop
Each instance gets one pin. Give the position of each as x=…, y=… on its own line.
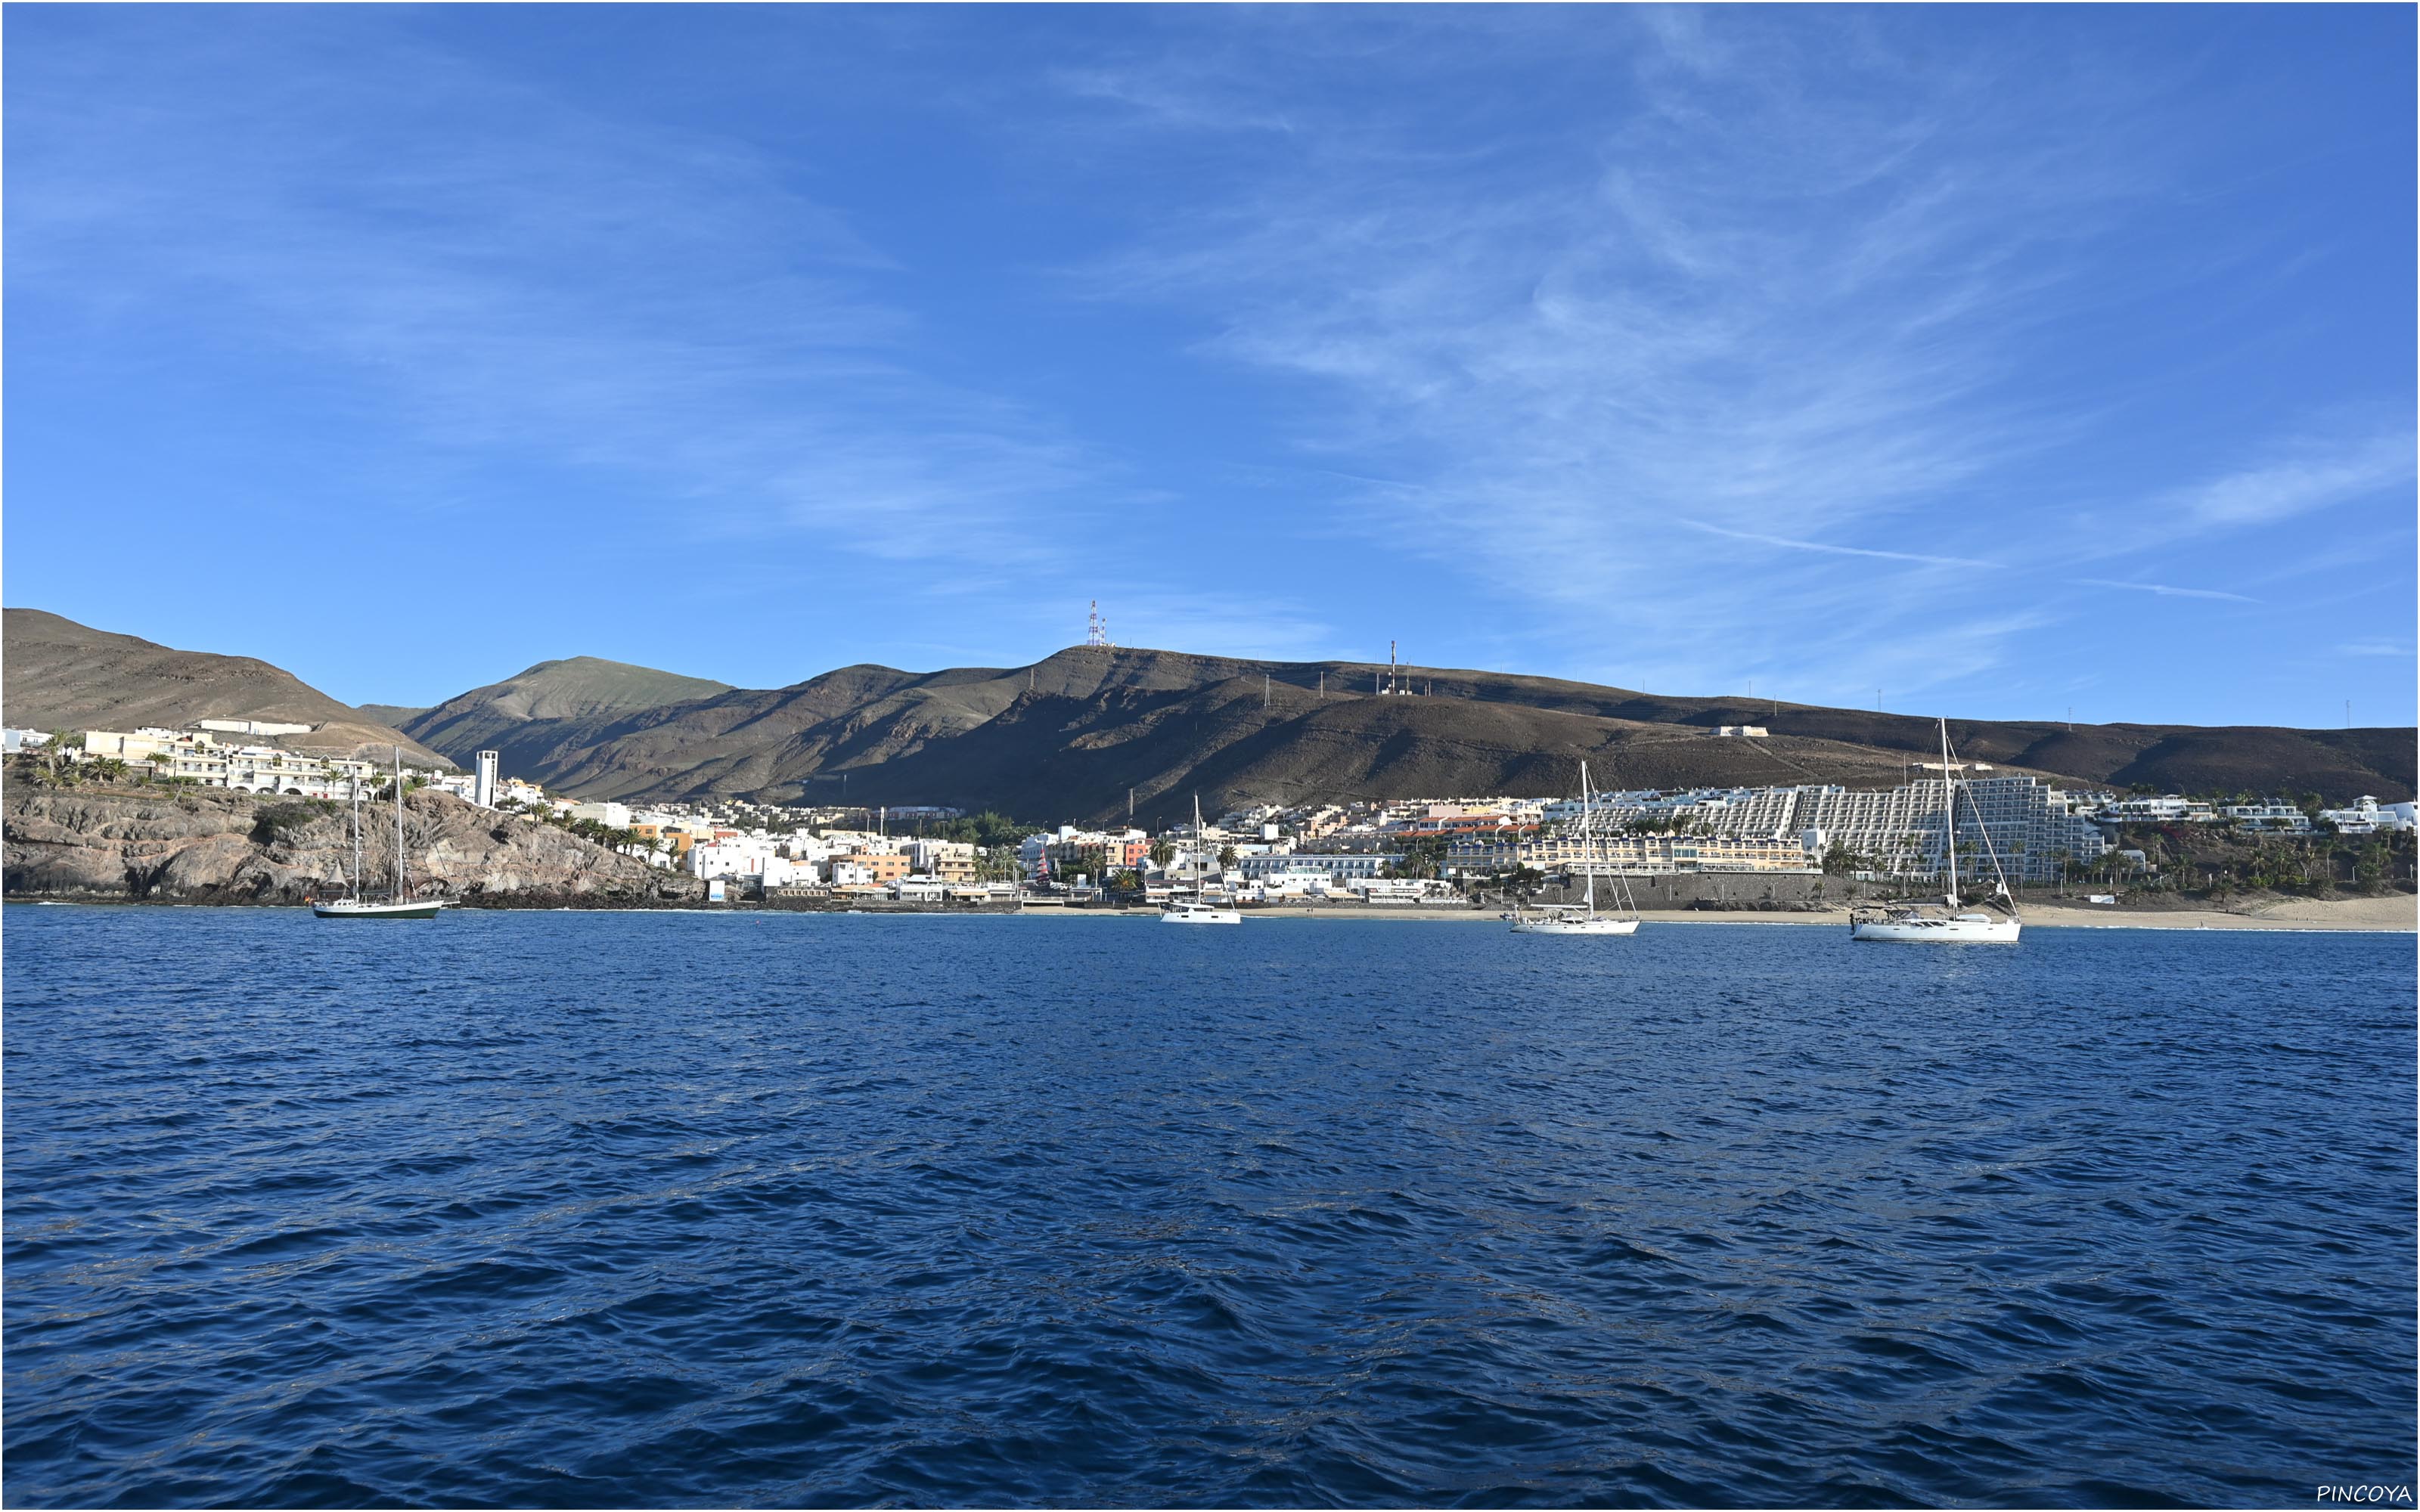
x=1097, y=631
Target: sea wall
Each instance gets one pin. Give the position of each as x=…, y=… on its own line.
x=1753, y=890
x=209, y=845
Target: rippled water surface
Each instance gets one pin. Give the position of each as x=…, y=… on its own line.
x=600, y=1208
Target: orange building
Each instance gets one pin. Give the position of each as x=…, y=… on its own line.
x=884, y=866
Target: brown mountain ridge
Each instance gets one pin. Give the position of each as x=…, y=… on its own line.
x=1088, y=731
x=62, y=675
x=1072, y=735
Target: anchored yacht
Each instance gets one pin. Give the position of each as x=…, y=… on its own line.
x=1922, y=922
x=1582, y=918
x=1196, y=909
x=401, y=905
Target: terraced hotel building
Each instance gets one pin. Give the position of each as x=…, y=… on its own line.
x=2033, y=827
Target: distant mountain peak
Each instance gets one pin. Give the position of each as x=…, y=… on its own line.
x=564, y=688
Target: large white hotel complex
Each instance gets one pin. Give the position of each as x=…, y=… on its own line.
x=2034, y=828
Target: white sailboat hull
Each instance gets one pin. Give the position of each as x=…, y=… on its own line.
x=1965, y=931
x=1575, y=926
x=350, y=908
x=1200, y=914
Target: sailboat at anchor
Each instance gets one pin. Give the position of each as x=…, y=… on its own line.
x=398, y=904
x=1945, y=923
x=1582, y=918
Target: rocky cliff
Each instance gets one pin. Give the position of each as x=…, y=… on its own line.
x=205, y=845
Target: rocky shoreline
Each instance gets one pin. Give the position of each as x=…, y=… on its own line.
x=209, y=845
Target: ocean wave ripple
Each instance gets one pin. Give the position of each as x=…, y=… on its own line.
x=610, y=1209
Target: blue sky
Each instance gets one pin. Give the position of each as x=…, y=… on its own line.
x=2003, y=360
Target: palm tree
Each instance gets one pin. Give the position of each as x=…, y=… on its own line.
x=56, y=764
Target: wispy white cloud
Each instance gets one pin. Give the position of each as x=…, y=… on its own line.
x=515, y=277
x=1664, y=347
x=2319, y=473
x=2166, y=591
x=2374, y=648
x=2322, y=465
x=1740, y=295
x=1837, y=551
x=1167, y=100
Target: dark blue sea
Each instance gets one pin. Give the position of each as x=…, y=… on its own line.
x=605, y=1208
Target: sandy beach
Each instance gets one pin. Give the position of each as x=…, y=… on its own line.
x=2398, y=914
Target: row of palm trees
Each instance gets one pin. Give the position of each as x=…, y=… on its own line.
x=58, y=764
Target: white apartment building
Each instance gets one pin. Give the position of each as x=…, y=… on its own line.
x=789, y=871
x=264, y=769
x=2169, y=808
x=463, y=785
x=266, y=729
x=1338, y=870
x=2032, y=829
x=1288, y=884
x=2368, y=816
x=2030, y=825
x=1400, y=889
x=1619, y=809
x=739, y=855
x=2267, y=818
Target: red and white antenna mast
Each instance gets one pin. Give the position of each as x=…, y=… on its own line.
x=1097, y=630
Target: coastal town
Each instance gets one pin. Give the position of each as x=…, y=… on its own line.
x=1407, y=852
x=1747, y=840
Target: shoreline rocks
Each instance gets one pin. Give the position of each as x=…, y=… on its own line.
x=209, y=845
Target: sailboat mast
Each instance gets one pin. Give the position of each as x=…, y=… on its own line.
x=398, y=824
x=1588, y=840
x=357, y=834
x=1948, y=814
